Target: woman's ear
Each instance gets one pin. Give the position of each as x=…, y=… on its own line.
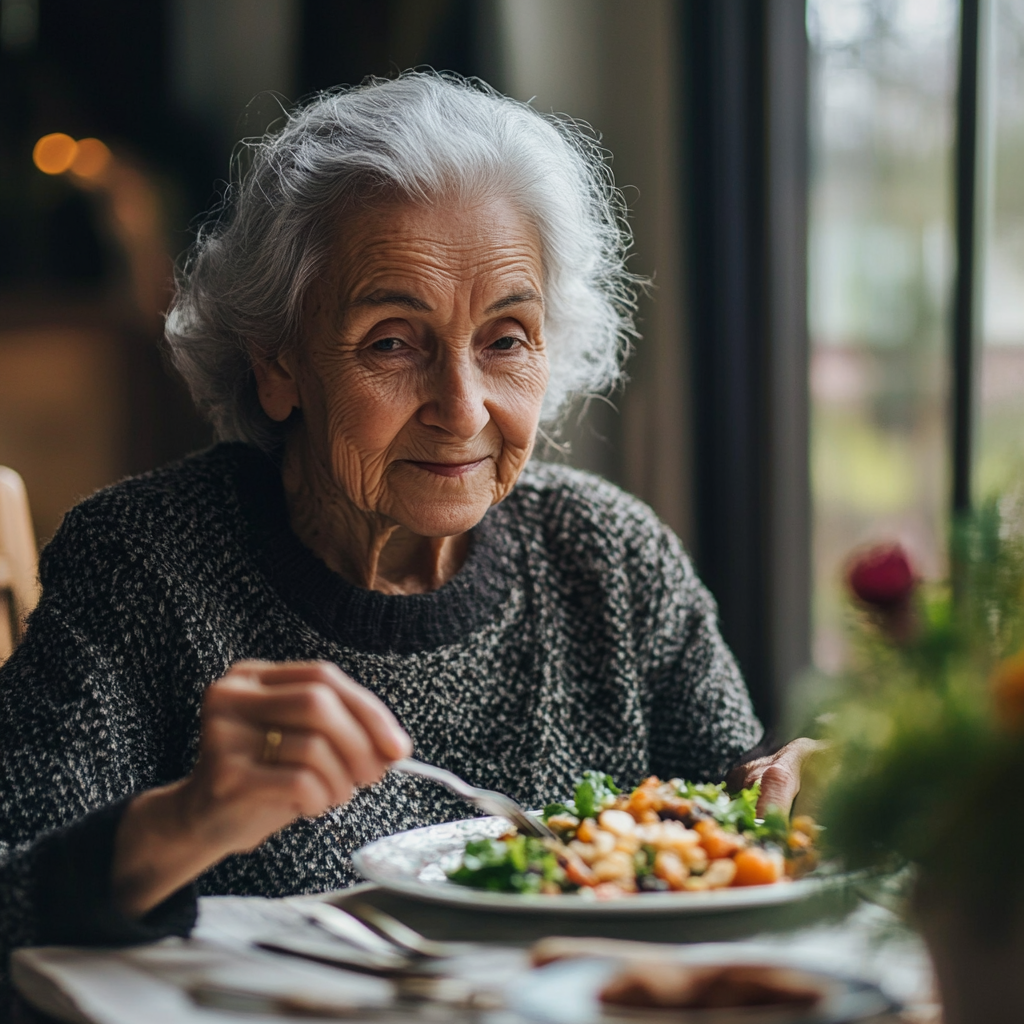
x=277, y=388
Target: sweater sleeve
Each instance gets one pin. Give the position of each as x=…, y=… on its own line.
x=700, y=716
x=71, y=889
x=73, y=754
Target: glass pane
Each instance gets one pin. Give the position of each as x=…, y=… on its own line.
x=1000, y=448
x=883, y=87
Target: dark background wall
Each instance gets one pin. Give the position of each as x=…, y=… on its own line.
x=702, y=103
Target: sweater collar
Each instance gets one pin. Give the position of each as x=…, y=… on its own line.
x=366, y=619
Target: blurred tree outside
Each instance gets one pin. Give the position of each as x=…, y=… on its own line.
x=883, y=87
x=999, y=449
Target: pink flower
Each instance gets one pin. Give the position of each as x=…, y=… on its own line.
x=882, y=577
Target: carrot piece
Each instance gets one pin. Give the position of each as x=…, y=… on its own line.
x=755, y=866
x=716, y=841
x=641, y=800
x=806, y=824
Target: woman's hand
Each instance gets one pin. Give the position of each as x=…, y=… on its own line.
x=279, y=742
x=778, y=773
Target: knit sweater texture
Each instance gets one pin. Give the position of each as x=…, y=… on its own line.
x=576, y=635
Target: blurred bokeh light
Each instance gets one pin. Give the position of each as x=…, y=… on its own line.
x=54, y=153
x=91, y=158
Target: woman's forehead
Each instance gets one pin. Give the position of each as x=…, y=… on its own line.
x=405, y=246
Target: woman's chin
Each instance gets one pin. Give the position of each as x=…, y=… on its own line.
x=441, y=505
x=442, y=516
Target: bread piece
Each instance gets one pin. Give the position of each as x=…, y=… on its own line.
x=677, y=986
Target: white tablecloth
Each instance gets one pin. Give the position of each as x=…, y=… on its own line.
x=153, y=983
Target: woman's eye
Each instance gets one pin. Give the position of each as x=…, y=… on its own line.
x=504, y=344
x=386, y=344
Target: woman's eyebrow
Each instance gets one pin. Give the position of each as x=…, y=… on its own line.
x=514, y=300
x=394, y=299
x=411, y=302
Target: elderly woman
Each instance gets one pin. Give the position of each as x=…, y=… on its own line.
x=410, y=278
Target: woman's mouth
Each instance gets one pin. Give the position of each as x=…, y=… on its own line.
x=452, y=469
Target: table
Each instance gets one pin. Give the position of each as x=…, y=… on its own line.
x=149, y=983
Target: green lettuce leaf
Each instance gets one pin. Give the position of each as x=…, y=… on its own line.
x=594, y=792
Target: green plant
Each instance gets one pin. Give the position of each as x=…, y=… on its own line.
x=928, y=724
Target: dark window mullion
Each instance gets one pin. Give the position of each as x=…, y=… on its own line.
x=965, y=179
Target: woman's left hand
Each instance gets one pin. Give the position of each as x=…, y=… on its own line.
x=778, y=773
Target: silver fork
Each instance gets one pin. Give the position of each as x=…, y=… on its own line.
x=401, y=935
x=485, y=799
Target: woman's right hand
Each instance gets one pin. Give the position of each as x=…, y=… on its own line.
x=278, y=742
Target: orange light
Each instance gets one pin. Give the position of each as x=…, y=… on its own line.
x=53, y=154
x=90, y=159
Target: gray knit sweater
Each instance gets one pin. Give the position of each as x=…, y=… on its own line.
x=575, y=636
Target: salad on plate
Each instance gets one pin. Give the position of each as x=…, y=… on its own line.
x=663, y=836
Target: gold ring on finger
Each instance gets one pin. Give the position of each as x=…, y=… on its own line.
x=272, y=741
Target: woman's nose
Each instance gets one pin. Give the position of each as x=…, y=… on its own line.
x=457, y=404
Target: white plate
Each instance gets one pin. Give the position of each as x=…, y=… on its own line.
x=414, y=863
x=567, y=993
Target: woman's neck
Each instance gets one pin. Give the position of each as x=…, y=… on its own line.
x=365, y=548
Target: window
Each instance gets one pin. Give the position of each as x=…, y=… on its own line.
x=999, y=448
x=883, y=84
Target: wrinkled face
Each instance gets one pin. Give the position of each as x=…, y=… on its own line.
x=423, y=366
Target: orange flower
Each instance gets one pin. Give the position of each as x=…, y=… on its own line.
x=1008, y=691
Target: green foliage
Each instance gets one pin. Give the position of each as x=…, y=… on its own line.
x=552, y=809
x=774, y=828
x=709, y=795
x=737, y=813
x=594, y=792
x=519, y=864
x=927, y=770
x=643, y=861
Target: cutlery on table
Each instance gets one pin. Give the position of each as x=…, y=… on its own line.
x=378, y=941
x=399, y=955
x=349, y=928
x=401, y=935
x=485, y=800
x=415, y=1000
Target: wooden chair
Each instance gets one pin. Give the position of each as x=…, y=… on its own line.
x=19, y=585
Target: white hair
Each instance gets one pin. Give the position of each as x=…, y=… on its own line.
x=421, y=137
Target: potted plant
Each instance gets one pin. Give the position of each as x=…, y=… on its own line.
x=928, y=737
